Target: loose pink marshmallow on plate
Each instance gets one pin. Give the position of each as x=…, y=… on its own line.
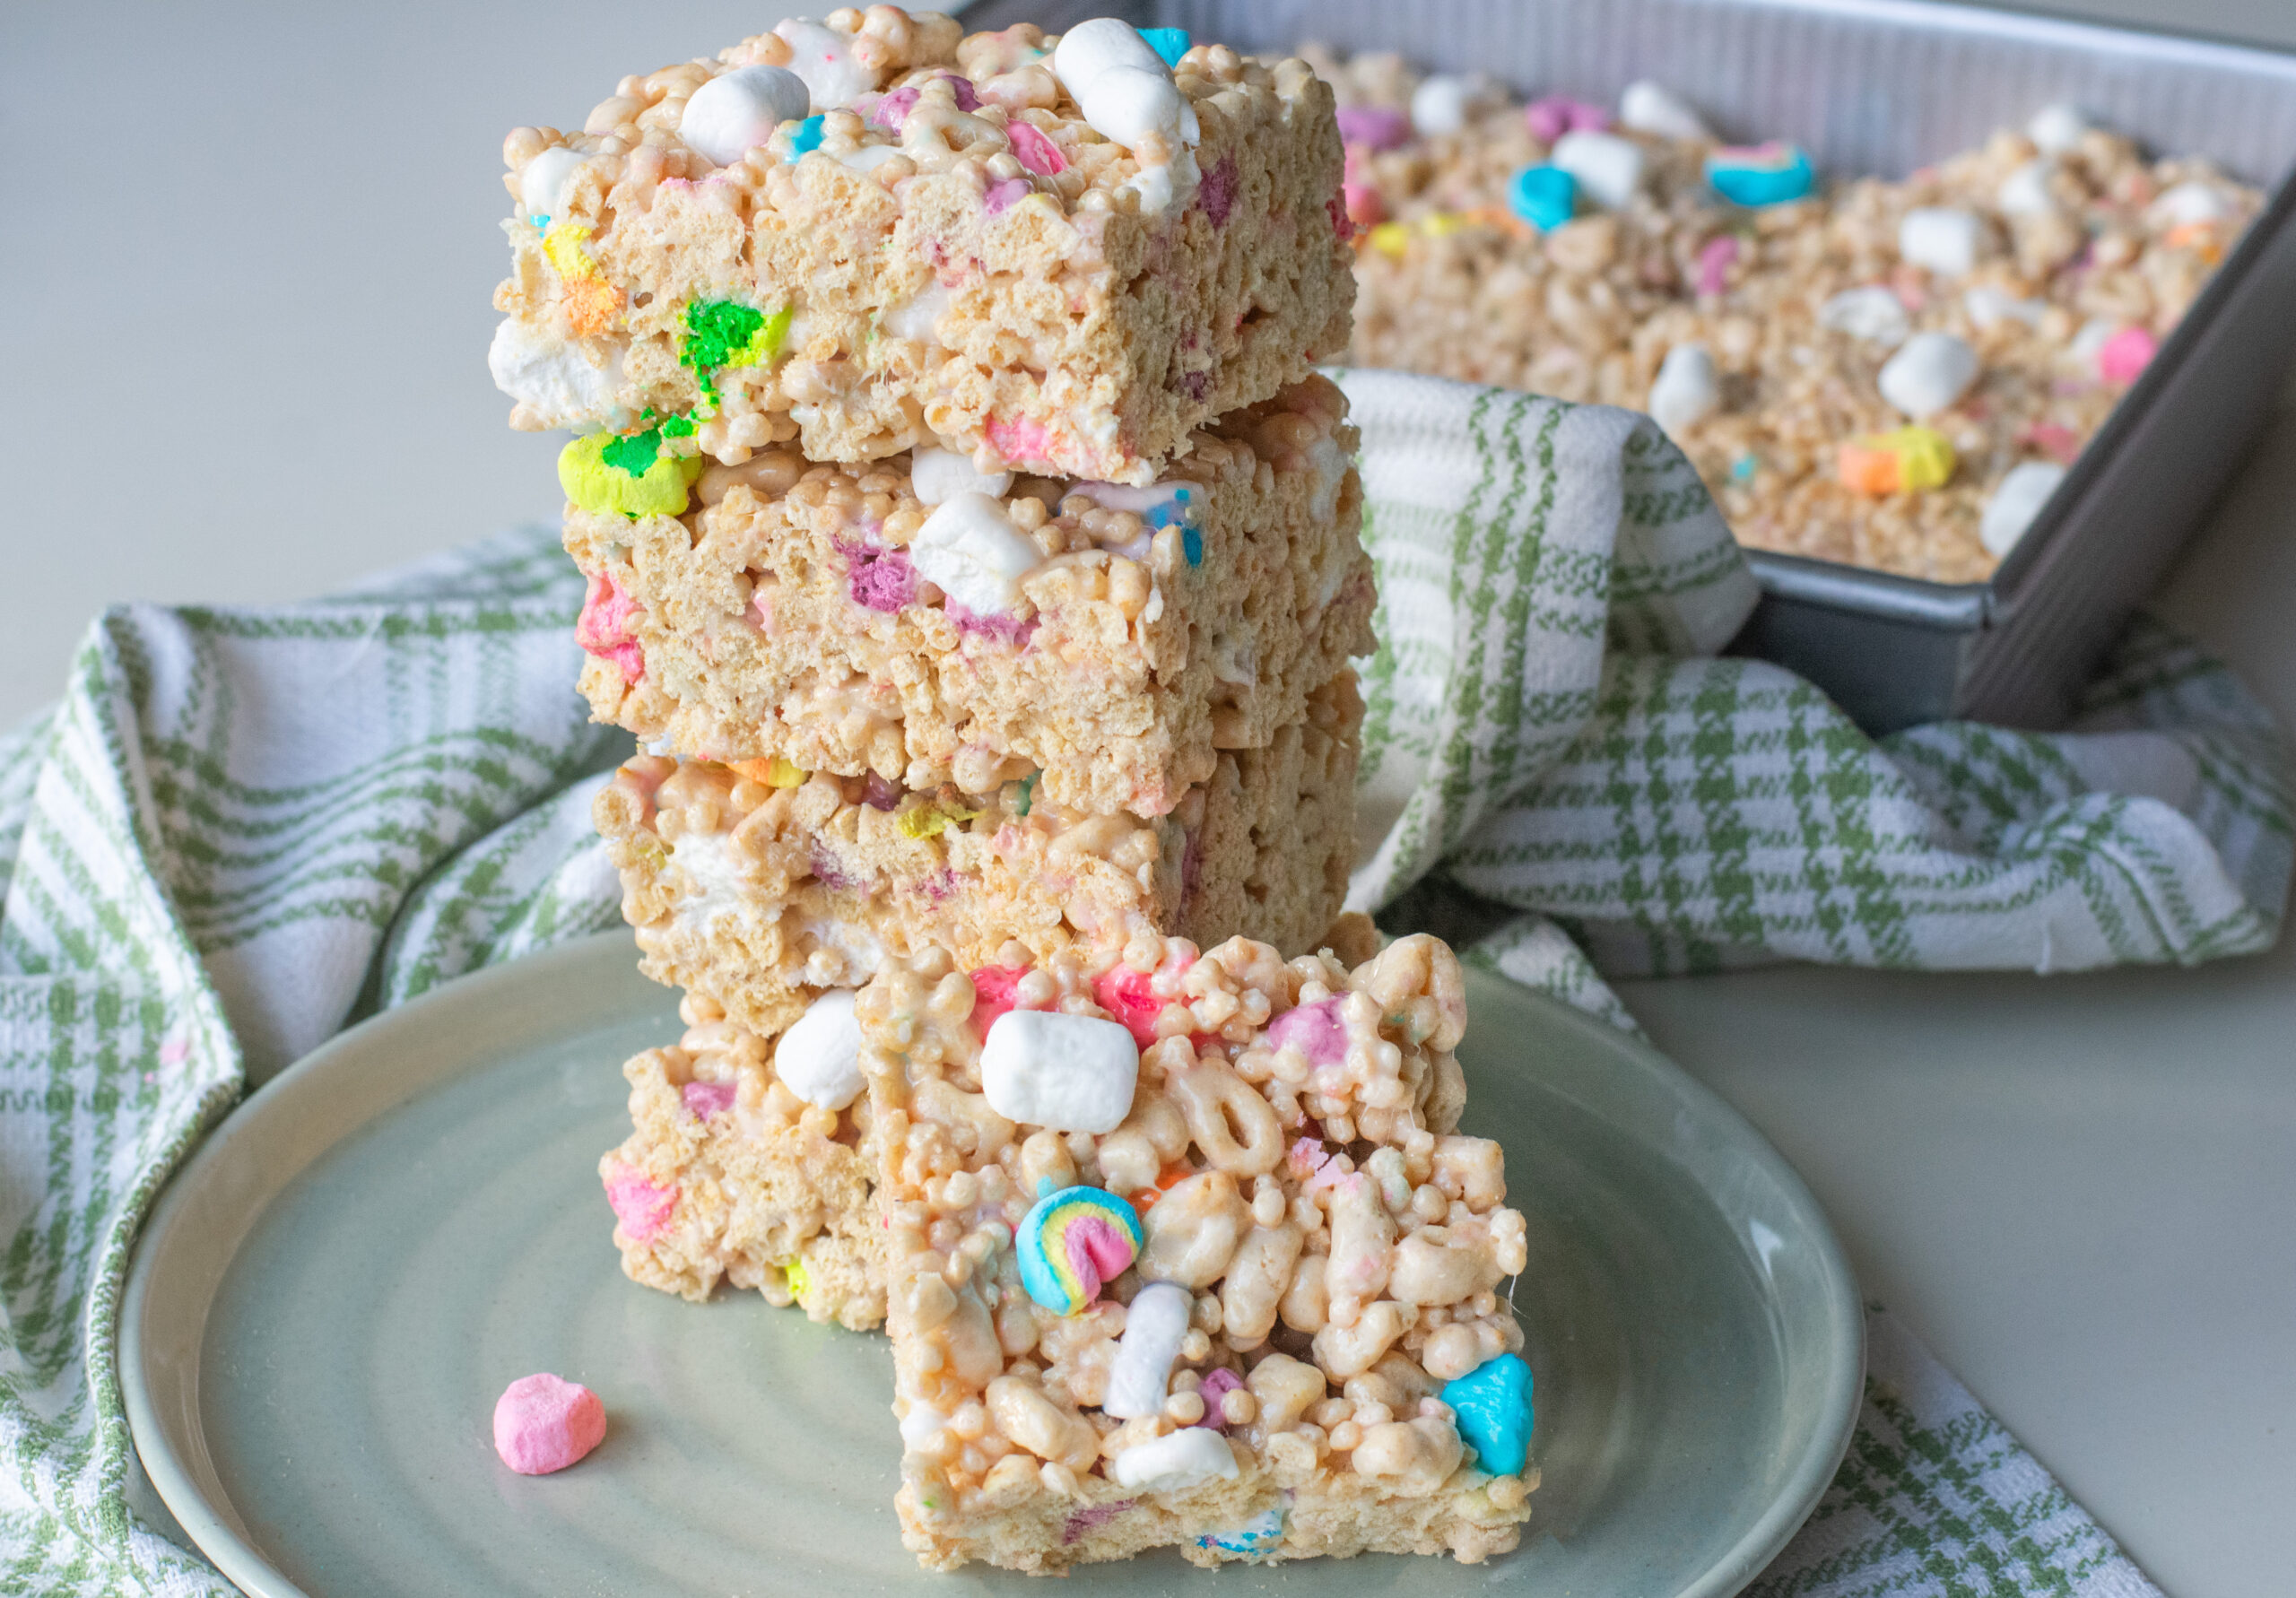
x=545, y=1424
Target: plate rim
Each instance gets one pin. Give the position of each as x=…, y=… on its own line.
x=217, y=1534
x=1827, y=1443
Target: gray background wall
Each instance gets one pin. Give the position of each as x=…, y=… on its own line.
x=246, y=261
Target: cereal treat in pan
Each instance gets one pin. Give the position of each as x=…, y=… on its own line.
x=1057, y=255
x=1888, y=372
x=750, y=1162
x=761, y=886
x=1187, y=1250
x=917, y=622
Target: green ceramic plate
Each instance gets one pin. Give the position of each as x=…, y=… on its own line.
x=333, y=1292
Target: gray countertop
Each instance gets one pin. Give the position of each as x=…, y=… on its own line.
x=245, y=362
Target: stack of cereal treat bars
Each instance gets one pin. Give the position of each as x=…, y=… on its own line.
x=974, y=553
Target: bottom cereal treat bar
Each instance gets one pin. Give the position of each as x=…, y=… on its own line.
x=760, y=885
x=1186, y=1251
x=730, y=1175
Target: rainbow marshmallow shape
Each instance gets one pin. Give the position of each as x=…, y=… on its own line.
x=1072, y=1243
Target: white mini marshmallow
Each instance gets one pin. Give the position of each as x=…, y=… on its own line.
x=553, y=379
x=869, y=157
x=1988, y=305
x=2089, y=343
x=919, y=316
x=1608, y=167
x=918, y=1427
x=1654, y=109
x=1090, y=48
x=1155, y=1323
x=1932, y=371
x=1873, y=313
x=1328, y=464
x=2016, y=503
x=2056, y=129
x=1064, y=1073
x=1940, y=237
x=735, y=112
x=1125, y=104
x=1122, y=86
x=2025, y=191
x=819, y=1059
x=971, y=549
x=2188, y=202
x=1687, y=389
x=1442, y=103
x=542, y=181
x=1175, y=1462
x=823, y=58
x=937, y=476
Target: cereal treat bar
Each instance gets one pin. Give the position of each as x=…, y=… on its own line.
x=1891, y=374
x=750, y=1162
x=761, y=886
x=1057, y=255
x=1187, y=1250
x=918, y=623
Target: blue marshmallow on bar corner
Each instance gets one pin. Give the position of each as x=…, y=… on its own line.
x=1544, y=197
x=1493, y=1405
x=1772, y=174
x=1170, y=43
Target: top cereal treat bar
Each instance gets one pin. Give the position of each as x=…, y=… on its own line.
x=1187, y=1250
x=868, y=234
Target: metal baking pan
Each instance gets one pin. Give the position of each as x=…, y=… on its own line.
x=1880, y=87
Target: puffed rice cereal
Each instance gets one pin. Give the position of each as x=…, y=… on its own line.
x=1230, y=1323
x=2003, y=299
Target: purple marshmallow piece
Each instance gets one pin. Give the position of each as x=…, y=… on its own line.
x=1381, y=127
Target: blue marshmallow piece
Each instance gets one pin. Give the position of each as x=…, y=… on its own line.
x=1262, y=1532
x=1493, y=1404
x=1170, y=43
x=1544, y=197
x=1771, y=174
x=807, y=138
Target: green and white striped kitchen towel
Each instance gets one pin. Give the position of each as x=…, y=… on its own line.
x=242, y=829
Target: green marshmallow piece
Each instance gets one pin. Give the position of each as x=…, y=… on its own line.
x=631, y=475
x=723, y=333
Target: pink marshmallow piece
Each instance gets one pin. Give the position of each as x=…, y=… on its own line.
x=1034, y=151
x=643, y=1209
x=1558, y=114
x=545, y=1424
x=1022, y=440
x=992, y=994
x=603, y=629
x=1127, y=995
x=2124, y=356
x=705, y=1099
x=1714, y=262
x=1314, y=1030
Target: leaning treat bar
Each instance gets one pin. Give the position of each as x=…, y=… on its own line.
x=1892, y=374
x=759, y=886
x=1187, y=1250
x=750, y=1163
x=868, y=234
x=917, y=622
